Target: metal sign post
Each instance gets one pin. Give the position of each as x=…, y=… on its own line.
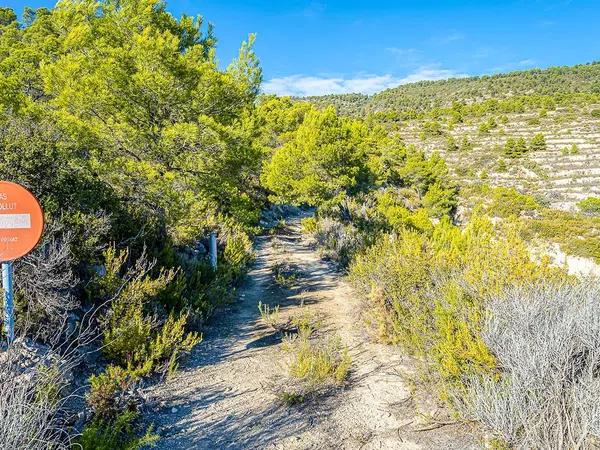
x=21, y=227
x=9, y=306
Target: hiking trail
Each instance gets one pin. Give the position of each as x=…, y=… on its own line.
x=220, y=398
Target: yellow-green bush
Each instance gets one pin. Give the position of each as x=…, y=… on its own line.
x=133, y=335
x=590, y=205
x=317, y=361
x=577, y=234
x=107, y=392
x=499, y=201
x=120, y=433
x=426, y=293
x=238, y=251
x=309, y=225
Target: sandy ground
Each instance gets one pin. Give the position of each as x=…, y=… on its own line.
x=221, y=398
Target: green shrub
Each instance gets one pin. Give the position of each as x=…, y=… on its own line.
x=169, y=343
x=466, y=145
x=590, y=206
x=515, y=148
x=432, y=129
x=107, y=392
x=269, y=315
x=117, y=434
x=577, y=234
x=487, y=126
x=238, y=252
x=451, y=145
x=132, y=335
x=506, y=202
x=309, y=225
x=314, y=365
x=427, y=293
x=440, y=201
x=284, y=274
x=537, y=143
x=499, y=201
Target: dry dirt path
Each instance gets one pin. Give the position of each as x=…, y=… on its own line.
x=221, y=400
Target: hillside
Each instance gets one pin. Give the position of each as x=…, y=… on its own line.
x=424, y=95
x=470, y=120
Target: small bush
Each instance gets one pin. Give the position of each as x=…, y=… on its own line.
x=32, y=410
x=432, y=129
x=427, y=293
x=537, y=143
x=501, y=166
x=515, y=148
x=487, y=126
x=451, y=145
x=573, y=150
x=339, y=242
x=546, y=393
x=132, y=334
x=315, y=364
x=590, y=206
x=269, y=315
x=506, y=202
x=284, y=274
x=291, y=398
x=577, y=234
x=120, y=433
x=107, y=396
x=466, y=145
x=238, y=252
x=309, y=225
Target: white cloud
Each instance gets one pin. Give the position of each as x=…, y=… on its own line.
x=402, y=51
x=453, y=36
x=428, y=73
x=302, y=86
x=527, y=62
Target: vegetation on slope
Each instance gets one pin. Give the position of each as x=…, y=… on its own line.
x=385, y=213
x=426, y=95
x=117, y=116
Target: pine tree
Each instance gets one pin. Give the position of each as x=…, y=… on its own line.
x=537, y=143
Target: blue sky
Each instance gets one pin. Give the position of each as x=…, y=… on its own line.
x=312, y=47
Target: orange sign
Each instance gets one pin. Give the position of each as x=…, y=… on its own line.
x=21, y=221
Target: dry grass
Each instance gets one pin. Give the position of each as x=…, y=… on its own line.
x=315, y=366
x=269, y=315
x=285, y=274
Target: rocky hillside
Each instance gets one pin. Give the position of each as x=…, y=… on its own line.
x=561, y=173
x=475, y=122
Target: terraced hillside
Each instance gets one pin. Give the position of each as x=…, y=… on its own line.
x=566, y=171
x=469, y=121
x=537, y=132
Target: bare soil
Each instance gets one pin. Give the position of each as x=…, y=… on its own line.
x=221, y=398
